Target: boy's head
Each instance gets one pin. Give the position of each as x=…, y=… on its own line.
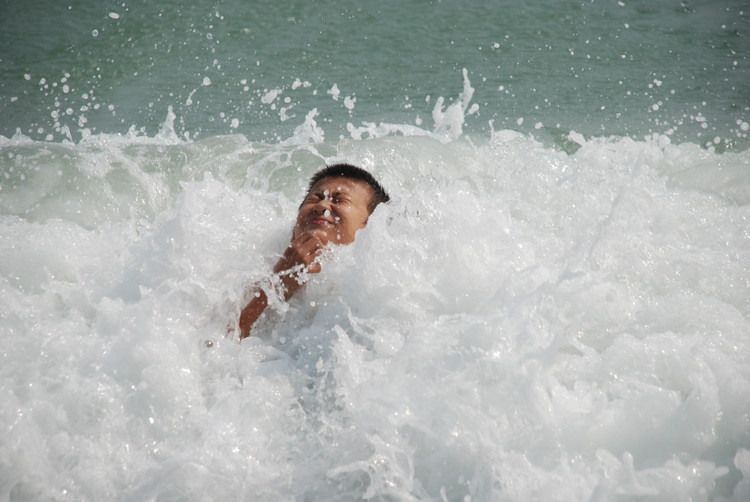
x=339, y=200
x=354, y=173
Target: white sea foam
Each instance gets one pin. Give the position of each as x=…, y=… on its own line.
x=517, y=324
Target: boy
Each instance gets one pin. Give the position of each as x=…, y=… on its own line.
x=339, y=201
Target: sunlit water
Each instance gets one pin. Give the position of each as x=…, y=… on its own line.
x=540, y=313
x=517, y=323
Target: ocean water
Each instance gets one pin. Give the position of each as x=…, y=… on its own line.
x=555, y=305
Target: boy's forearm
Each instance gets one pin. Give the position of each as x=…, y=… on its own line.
x=287, y=272
x=252, y=312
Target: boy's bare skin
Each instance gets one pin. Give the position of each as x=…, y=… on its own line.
x=333, y=211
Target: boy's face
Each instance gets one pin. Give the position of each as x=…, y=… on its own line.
x=337, y=206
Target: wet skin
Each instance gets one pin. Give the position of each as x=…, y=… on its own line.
x=332, y=212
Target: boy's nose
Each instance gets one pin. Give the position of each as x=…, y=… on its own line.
x=322, y=205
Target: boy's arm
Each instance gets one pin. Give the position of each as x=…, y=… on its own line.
x=252, y=312
x=300, y=255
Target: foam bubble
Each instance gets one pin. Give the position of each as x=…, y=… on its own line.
x=518, y=322
x=334, y=92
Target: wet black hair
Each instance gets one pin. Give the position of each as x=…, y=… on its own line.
x=354, y=173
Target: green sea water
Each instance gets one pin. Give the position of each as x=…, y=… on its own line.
x=600, y=68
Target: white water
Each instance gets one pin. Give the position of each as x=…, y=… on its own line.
x=517, y=324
